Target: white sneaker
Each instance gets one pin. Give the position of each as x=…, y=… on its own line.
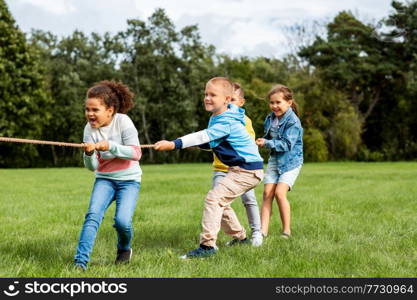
x=257, y=240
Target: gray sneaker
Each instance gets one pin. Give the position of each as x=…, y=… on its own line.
x=257, y=240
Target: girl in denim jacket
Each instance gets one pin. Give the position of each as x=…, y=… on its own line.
x=284, y=136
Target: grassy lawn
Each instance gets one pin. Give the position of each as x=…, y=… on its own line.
x=348, y=220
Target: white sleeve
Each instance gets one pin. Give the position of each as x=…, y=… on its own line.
x=194, y=139
x=91, y=162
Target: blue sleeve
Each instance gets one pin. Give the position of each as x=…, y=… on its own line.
x=287, y=141
x=178, y=143
x=265, y=135
x=218, y=131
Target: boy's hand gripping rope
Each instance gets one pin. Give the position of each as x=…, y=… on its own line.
x=26, y=141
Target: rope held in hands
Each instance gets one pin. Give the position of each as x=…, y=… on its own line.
x=26, y=141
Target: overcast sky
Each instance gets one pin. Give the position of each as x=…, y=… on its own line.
x=236, y=27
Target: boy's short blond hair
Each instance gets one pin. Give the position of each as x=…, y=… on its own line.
x=225, y=83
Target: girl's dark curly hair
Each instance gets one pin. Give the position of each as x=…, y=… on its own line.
x=114, y=94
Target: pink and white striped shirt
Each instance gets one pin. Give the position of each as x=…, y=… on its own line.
x=121, y=161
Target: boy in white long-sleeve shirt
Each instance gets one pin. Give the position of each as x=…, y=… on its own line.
x=227, y=137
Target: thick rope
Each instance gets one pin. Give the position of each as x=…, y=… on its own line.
x=26, y=141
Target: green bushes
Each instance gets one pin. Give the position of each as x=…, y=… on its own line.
x=315, y=147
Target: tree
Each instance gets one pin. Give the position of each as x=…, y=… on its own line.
x=167, y=69
x=395, y=121
x=24, y=97
x=352, y=59
x=332, y=125
x=73, y=64
x=355, y=60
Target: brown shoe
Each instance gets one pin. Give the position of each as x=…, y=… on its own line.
x=123, y=256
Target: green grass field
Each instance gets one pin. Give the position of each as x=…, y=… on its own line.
x=348, y=220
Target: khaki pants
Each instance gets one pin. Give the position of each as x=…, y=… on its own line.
x=217, y=210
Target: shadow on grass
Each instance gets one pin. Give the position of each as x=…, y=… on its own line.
x=165, y=236
x=42, y=251
x=47, y=251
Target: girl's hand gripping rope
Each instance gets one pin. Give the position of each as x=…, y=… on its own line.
x=89, y=148
x=164, y=145
x=102, y=146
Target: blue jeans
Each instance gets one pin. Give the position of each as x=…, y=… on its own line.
x=125, y=194
x=249, y=201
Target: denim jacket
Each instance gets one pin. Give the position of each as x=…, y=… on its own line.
x=285, y=142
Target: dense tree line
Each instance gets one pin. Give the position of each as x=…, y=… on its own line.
x=356, y=86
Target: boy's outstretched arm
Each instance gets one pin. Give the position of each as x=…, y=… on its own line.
x=198, y=138
x=189, y=140
x=164, y=145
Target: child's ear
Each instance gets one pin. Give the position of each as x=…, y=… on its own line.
x=111, y=110
x=228, y=99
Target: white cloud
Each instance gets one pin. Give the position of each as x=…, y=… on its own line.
x=57, y=7
x=246, y=27
x=236, y=27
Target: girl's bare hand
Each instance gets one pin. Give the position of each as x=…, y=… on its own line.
x=102, y=146
x=89, y=148
x=260, y=142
